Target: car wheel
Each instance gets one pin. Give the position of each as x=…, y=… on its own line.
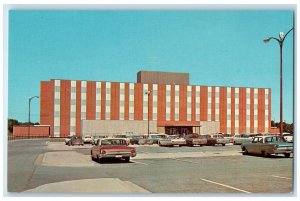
x=127, y=159
x=287, y=155
x=245, y=151
x=223, y=144
x=99, y=159
x=265, y=154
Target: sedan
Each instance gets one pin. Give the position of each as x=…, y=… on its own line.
x=267, y=145
x=112, y=148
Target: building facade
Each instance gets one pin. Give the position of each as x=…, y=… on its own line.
x=72, y=106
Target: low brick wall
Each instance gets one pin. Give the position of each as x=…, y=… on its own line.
x=35, y=131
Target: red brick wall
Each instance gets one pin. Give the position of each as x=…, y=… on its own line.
x=223, y=109
x=161, y=102
x=182, y=103
x=90, y=100
x=138, y=101
x=203, y=103
x=242, y=110
x=115, y=101
x=35, y=131
x=47, y=104
x=65, y=107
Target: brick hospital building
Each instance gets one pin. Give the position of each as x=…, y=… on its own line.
x=76, y=107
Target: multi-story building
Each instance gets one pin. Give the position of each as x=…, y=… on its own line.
x=172, y=105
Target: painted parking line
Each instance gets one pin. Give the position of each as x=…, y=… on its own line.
x=139, y=162
x=281, y=177
x=237, y=189
x=176, y=159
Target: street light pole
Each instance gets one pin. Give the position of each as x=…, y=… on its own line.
x=148, y=93
x=29, y=114
x=280, y=42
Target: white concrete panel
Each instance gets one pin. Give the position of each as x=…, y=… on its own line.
x=56, y=83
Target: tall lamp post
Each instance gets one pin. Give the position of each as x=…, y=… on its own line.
x=148, y=93
x=280, y=40
x=30, y=98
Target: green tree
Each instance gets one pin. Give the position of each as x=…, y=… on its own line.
x=11, y=123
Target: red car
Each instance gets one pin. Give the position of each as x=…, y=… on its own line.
x=112, y=148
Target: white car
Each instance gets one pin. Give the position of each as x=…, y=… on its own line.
x=240, y=139
x=67, y=139
x=87, y=139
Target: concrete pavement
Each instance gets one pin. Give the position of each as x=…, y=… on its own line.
x=103, y=185
x=60, y=155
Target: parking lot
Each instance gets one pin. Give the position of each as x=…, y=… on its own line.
x=199, y=170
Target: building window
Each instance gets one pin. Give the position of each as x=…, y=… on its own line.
x=83, y=102
x=131, y=104
x=248, y=107
x=73, y=114
x=248, y=117
x=107, y=90
x=83, y=90
x=255, y=117
x=107, y=102
x=98, y=102
x=228, y=117
x=73, y=102
x=145, y=116
x=228, y=95
x=72, y=128
x=73, y=89
x=98, y=90
x=97, y=114
x=57, y=101
x=56, y=129
x=236, y=95
x=236, y=117
x=57, y=88
x=56, y=113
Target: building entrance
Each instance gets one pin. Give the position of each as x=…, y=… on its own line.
x=178, y=130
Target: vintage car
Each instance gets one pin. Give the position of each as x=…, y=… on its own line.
x=75, y=140
x=288, y=137
x=210, y=141
x=96, y=137
x=67, y=139
x=220, y=139
x=240, y=139
x=112, y=148
x=229, y=137
x=267, y=145
x=87, y=139
x=145, y=140
x=194, y=139
x=172, y=140
x=156, y=137
x=135, y=139
x=123, y=136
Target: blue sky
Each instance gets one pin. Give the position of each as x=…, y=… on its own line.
x=217, y=48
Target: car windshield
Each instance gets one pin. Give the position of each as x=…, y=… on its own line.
x=113, y=142
x=274, y=139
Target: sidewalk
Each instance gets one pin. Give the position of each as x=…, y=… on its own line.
x=103, y=185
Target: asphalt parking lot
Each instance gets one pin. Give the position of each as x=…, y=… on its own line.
x=197, y=170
